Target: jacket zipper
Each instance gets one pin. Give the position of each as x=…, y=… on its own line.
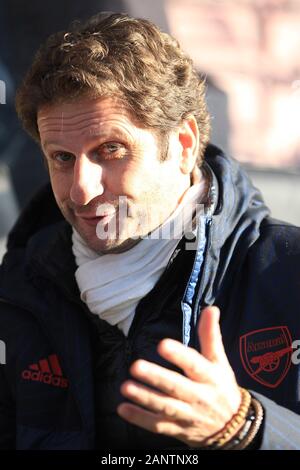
x=199, y=295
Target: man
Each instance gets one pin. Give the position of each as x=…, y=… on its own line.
x=108, y=341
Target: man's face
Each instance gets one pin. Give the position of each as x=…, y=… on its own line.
x=96, y=154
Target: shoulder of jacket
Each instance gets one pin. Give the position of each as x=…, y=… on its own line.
x=279, y=231
x=278, y=244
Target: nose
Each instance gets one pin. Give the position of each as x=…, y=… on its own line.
x=87, y=181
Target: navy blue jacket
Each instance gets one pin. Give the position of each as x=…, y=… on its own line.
x=59, y=386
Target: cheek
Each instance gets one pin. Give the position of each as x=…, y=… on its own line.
x=61, y=185
x=140, y=176
x=128, y=181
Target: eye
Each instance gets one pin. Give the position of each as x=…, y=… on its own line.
x=62, y=157
x=111, y=146
x=111, y=150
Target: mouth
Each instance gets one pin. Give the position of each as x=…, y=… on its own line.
x=93, y=221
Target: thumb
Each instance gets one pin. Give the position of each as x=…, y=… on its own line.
x=210, y=335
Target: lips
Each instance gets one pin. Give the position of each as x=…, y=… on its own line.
x=98, y=214
x=93, y=220
x=89, y=217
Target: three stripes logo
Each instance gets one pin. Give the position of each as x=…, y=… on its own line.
x=47, y=371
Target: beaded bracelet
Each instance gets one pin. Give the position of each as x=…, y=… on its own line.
x=218, y=440
x=247, y=434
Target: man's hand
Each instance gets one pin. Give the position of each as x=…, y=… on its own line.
x=190, y=408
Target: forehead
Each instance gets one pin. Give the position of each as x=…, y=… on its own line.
x=83, y=114
x=69, y=107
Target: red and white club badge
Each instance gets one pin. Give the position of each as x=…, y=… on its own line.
x=266, y=354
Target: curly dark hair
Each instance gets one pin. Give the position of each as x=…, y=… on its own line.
x=120, y=56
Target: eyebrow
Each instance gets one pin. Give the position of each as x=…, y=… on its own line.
x=114, y=132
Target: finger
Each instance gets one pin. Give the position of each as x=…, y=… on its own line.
x=167, y=381
x=158, y=402
x=149, y=421
x=210, y=335
x=194, y=364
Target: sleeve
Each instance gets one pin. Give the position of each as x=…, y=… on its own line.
x=281, y=426
x=7, y=414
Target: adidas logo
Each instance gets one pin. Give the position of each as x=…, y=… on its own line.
x=47, y=371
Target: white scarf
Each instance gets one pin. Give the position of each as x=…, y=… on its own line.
x=113, y=284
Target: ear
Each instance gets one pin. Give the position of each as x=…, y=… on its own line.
x=188, y=136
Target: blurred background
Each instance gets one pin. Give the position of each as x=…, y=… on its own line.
x=248, y=50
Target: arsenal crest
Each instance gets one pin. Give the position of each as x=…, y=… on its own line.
x=266, y=354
